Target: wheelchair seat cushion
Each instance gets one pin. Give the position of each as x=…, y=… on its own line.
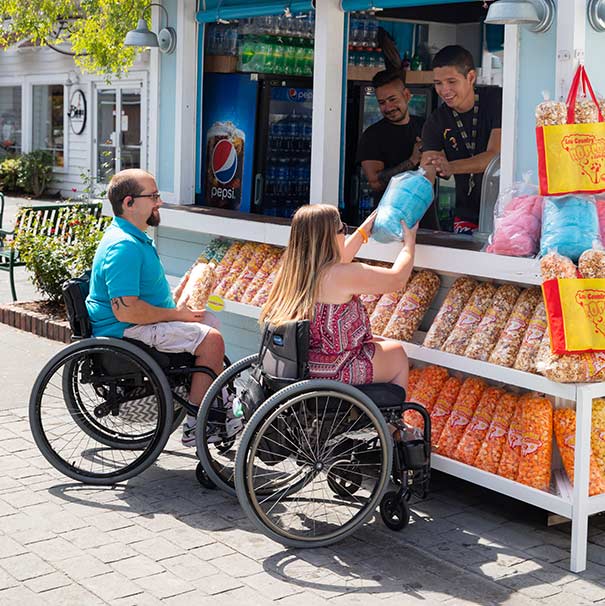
x=384, y=395
x=165, y=360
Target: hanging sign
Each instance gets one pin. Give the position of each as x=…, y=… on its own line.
x=77, y=112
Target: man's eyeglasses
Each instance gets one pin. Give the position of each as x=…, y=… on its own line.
x=343, y=228
x=154, y=197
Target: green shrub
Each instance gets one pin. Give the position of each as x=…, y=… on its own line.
x=35, y=171
x=9, y=174
x=52, y=259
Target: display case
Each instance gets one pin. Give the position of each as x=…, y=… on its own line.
x=569, y=501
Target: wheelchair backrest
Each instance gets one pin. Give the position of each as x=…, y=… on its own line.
x=284, y=353
x=75, y=292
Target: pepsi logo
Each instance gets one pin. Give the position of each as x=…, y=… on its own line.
x=292, y=93
x=224, y=161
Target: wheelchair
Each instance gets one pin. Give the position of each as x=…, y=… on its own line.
x=315, y=457
x=102, y=409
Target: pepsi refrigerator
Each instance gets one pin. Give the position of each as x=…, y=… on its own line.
x=283, y=153
x=362, y=112
x=256, y=138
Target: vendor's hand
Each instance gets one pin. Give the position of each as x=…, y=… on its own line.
x=368, y=224
x=409, y=234
x=417, y=152
x=184, y=314
x=443, y=167
x=430, y=172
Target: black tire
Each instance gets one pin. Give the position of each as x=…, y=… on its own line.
x=203, y=479
x=218, y=460
x=395, y=512
x=128, y=413
x=344, y=478
x=291, y=445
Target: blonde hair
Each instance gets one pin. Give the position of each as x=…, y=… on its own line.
x=311, y=250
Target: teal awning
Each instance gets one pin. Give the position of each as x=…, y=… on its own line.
x=245, y=9
x=366, y=5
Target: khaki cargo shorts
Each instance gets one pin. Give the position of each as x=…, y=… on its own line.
x=173, y=337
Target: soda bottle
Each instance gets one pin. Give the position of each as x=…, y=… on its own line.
x=290, y=62
x=279, y=57
x=373, y=32
x=246, y=55
x=308, y=71
x=267, y=61
x=299, y=61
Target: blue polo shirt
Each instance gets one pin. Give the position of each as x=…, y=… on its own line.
x=126, y=264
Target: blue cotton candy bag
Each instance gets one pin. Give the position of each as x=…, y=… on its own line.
x=406, y=198
x=570, y=225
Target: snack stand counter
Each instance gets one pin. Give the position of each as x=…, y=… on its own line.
x=564, y=499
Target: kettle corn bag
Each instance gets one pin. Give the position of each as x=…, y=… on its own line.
x=412, y=306
x=551, y=113
x=449, y=312
x=530, y=345
x=229, y=257
x=565, y=435
x=535, y=461
x=236, y=268
x=199, y=287
x=413, y=377
x=591, y=263
x=250, y=269
x=484, y=339
x=269, y=264
x=511, y=451
x=553, y=265
x=425, y=393
x=597, y=435
x=260, y=298
x=476, y=430
x=370, y=302
x=462, y=413
x=442, y=408
x=469, y=319
x=488, y=457
x=508, y=344
x=384, y=310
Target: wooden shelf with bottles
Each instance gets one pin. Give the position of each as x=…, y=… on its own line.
x=357, y=72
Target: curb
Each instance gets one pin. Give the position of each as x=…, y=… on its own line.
x=36, y=323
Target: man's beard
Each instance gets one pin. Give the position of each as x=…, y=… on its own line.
x=154, y=219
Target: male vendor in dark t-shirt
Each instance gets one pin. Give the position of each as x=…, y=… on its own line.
x=462, y=136
x=392, y=145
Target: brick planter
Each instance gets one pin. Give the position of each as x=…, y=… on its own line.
x=38, y=323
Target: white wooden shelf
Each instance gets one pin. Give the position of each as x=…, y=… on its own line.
x=550, y=502
x=438, y=258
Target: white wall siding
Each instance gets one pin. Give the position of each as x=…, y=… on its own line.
x=29, y=66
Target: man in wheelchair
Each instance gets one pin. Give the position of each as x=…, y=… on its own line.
x=130, y=296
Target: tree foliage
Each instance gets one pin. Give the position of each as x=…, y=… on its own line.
x=93, y=30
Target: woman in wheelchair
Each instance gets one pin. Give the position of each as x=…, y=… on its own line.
x=318, y=282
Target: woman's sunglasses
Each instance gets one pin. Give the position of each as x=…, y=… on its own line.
x=343, y=228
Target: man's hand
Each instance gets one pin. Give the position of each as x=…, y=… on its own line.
x=184, y=314
x=417, y=152
x=176, y=295
x=439, y=161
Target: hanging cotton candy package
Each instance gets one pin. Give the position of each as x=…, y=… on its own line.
x=407, y=197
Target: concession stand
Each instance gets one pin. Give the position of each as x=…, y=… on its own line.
x=226, y=195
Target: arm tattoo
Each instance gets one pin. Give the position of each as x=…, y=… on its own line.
x=385, y=175
x=115, y=303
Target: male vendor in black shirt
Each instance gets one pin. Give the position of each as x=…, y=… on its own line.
x=462, y=136
x=392, y=145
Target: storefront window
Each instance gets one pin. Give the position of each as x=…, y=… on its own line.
x=10, y=120
x=48, y=121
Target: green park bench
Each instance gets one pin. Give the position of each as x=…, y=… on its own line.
x=50, y=219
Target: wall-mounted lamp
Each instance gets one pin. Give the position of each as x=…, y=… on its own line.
x=142, y=36
x=539, y=14
x=596, y=15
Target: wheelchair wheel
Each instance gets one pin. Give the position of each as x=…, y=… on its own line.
x=218, y=457
x=394, y=511
x=302, y=443
x=101, y=411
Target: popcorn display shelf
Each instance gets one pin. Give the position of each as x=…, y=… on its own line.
x=571, y=502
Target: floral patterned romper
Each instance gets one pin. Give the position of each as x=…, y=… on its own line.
x=341, y=346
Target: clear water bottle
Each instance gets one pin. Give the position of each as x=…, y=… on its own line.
x=231, y=40
x=373, y=32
